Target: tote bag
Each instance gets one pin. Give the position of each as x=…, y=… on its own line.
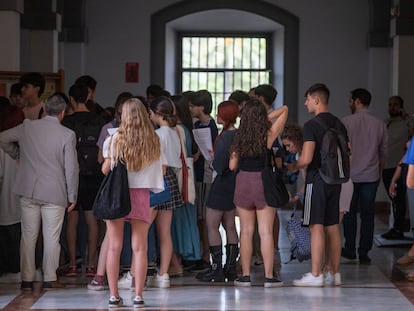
x=275, y=191
x=112, y=200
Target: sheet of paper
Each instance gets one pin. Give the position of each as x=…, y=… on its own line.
x=202, y=137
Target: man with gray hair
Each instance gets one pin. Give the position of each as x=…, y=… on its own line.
x=47, y=183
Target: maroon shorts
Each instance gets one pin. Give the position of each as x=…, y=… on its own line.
x=248, y=193
x=140, y=207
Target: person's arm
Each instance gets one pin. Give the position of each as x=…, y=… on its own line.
x=305, y=158
x=106, y=166
x=410, y=176
x=383, y=150
x=394, y=179
x=393, y=184
x=280, y=115
x=71, y=167
x=234, y=161
x=8, y=140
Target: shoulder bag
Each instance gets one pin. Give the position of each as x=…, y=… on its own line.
x=275, y=191
x=112, y=200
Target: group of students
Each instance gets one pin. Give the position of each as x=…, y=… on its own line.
x=149, y=137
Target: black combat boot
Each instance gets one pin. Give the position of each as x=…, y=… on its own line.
x=215, y=273
x=230, y=271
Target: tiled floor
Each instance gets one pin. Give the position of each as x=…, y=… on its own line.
x=380, y=286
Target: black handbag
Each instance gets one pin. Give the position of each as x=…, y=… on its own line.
x=112, y=200
x=274, y=188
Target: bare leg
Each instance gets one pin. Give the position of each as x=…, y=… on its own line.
x=247, y=221
x=93, y=234
x=139, y=248
x=115, y=234
x=317, y=247
x=334, y=247
x=265, y=220
x=163, y=221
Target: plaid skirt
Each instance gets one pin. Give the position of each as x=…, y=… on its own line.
x=176, y=197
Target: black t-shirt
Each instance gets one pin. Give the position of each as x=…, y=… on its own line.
x=313, y=131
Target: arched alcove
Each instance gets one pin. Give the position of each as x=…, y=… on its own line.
x=161, y=34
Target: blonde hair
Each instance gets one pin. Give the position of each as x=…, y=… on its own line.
x=136, y=144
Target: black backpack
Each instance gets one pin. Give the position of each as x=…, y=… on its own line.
x=334, y=155
x=87, y=135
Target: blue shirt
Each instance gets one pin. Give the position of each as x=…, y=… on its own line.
x=409, y=156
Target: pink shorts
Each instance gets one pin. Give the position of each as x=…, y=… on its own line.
x=248, y=193
x=140, y=207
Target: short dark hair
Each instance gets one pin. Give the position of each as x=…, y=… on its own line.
x=121, y=98
x=35, y=79
x=203, y=98
x=155, y=90
x=79, y=93
x=363, y=95
x=16, y=89
x=320, y=89
x=239, y=96
x=399, y=99
x=267, y=91
x=87, y=81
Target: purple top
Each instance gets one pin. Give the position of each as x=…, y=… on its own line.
x=369, y=145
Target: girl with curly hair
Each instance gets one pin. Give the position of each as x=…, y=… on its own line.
x=256, y=134
x=137, y=145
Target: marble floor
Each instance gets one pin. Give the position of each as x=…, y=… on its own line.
x=379, y=286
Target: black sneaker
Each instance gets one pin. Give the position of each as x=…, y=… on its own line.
x=273, y=282
x=243, y=281
x=348, y=254
x=115, y=302
x=26, y=286
x=364, y=260
x=393, y=234
x=138, y=302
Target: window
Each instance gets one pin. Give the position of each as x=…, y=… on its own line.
x=222, y=64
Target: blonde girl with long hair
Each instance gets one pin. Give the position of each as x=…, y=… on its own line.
x=135, y=144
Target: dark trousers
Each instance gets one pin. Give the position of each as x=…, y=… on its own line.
x=363, y=201
x=398, y=203
x=10, y=248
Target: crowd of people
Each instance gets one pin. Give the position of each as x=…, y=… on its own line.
x=55, y=153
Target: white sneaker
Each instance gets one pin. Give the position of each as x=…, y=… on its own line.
x=308, y=280
x=337, y=279
x=125, y=281
x=160, y=281
x=332, y=279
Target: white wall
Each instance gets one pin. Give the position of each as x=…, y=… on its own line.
x=333, y=49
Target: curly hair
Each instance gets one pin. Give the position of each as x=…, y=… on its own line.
x=251, y=138
x=293, y=132
x=136, y=143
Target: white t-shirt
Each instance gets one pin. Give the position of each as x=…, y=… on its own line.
x=150, y=177
x=170, y=143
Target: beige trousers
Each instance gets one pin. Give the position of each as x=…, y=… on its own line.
x=37, y=213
